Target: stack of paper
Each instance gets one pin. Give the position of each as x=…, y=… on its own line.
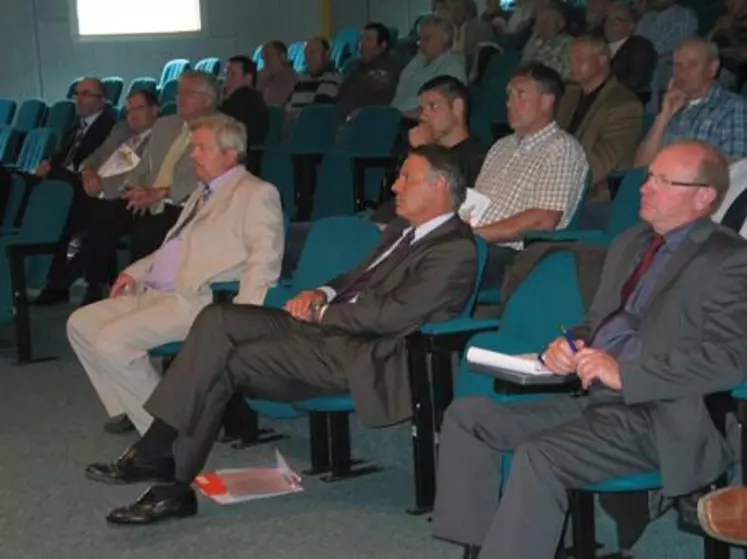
x=474, y=207
x=247, y=484
x=527, y=363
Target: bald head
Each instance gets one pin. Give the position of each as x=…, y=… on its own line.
x=687, y=181
x=317, y=55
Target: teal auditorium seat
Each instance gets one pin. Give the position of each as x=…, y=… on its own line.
x=353, y=172
x=143, y=83
x=257, y=57
x=113, y=86
x=26, y=255
x=209, y=65
x=344, y=44
x=71, y=88
x=11, y=218
x=8, y=144
x=30, y=115
x=172, y=70
x=297, y=56
x=167, y=109
x=329, y=415
x=37, y=146
x=312, y=133
x=349, y=65
x=167, y=93
x=60, y=118
x=7, y=111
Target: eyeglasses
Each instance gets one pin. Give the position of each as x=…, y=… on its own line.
x=87, y=94
x=659, y=180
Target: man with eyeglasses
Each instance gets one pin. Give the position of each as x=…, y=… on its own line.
x=656, y=340
x=103, y=175
x=633, y=57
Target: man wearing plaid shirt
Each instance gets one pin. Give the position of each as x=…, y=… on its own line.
x=533, y=178
x=696, y=107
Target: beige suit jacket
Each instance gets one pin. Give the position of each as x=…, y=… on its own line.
x=238, y=235
x=610, y=130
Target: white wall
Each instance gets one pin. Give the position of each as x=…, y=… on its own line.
x=39, y=56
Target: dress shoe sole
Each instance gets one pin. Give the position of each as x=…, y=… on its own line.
x=109, y=480
x=706, y=527
x=145, y=522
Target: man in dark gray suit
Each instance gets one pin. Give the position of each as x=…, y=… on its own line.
x=666, y=328
x=347, y=336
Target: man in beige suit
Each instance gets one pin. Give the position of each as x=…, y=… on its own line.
x=231, y=228
x=603, y=115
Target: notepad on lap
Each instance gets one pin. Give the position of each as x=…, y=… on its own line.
x=520, y=369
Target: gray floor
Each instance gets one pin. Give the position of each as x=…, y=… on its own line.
x=50, y=428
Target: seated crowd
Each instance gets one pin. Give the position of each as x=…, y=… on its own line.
x=179, y=186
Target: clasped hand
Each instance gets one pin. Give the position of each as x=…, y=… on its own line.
x=588, y=363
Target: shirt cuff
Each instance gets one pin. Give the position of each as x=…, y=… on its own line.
x=329, y=292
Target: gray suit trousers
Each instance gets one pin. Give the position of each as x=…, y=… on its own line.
x=557, y=443
x=257, y=351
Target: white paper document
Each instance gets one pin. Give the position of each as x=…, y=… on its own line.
x=526, y=363
x=121, y=161
x=248, y=484
x=474, y=207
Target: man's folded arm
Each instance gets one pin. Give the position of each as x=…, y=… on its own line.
x=443, y=279
x=715, y=362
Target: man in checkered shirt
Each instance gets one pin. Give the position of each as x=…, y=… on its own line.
x=534, y=178
x=696, y=107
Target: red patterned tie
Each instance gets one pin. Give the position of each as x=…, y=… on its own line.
x=643, y=265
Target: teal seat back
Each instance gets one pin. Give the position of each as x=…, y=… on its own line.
x=71, y=88
x=13, y=204
x=258, y=58
x=30, y=115
x=275, y=117
x=172, y=70
x=348, y=66
x=167, y=109
x=576, y=218
x=60, y=118
x=37, y=146
x=113, y=86
x=7, y=111
x=297, y=56
x=334, y=246
x=8, y=144
x=209, y=65
x=314, y=130
x=140, y=84
x=627, y=203
x=482, y=258
x=547, y=297
x=168, y=92
x=372, y=132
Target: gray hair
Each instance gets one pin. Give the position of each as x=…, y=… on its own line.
x=208, y=84
x=229, y=133
x=441, y=24
x=599, y=44
x=709, y=47
x=444, y=165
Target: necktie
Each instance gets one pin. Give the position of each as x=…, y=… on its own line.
x=654, y=244
x=80, y=131
x=165, y=174
x=192, y=214
x=736, y=213
x=354, y=288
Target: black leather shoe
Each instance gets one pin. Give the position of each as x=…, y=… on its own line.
x=118, y=425
x=131, y=468
x=156, y=504
x=50, y=296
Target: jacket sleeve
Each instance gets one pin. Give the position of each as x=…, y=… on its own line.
x=444, y=278
x=617, y=142
x=263, y=242
x=713, y=360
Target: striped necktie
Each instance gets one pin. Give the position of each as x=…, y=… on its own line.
x=206, y=193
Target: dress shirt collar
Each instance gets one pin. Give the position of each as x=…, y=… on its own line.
x=428, y=227
x=213, y=186
x=528, y=143
x=87, y=121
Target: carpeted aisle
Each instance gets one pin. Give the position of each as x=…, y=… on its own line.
x=50, y=428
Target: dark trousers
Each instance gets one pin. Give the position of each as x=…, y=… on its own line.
x=499, y=258
x=257, y=351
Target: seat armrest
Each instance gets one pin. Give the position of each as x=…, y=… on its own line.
x=591, y=237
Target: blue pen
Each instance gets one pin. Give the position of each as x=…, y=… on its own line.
x=568, y=338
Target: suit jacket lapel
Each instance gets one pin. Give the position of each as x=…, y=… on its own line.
x=700, y=232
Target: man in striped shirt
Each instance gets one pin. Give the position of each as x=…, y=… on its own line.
x=320, y=83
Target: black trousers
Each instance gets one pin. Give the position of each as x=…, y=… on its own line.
x=253, y=350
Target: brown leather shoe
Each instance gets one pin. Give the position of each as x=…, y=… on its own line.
x=723, y=514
